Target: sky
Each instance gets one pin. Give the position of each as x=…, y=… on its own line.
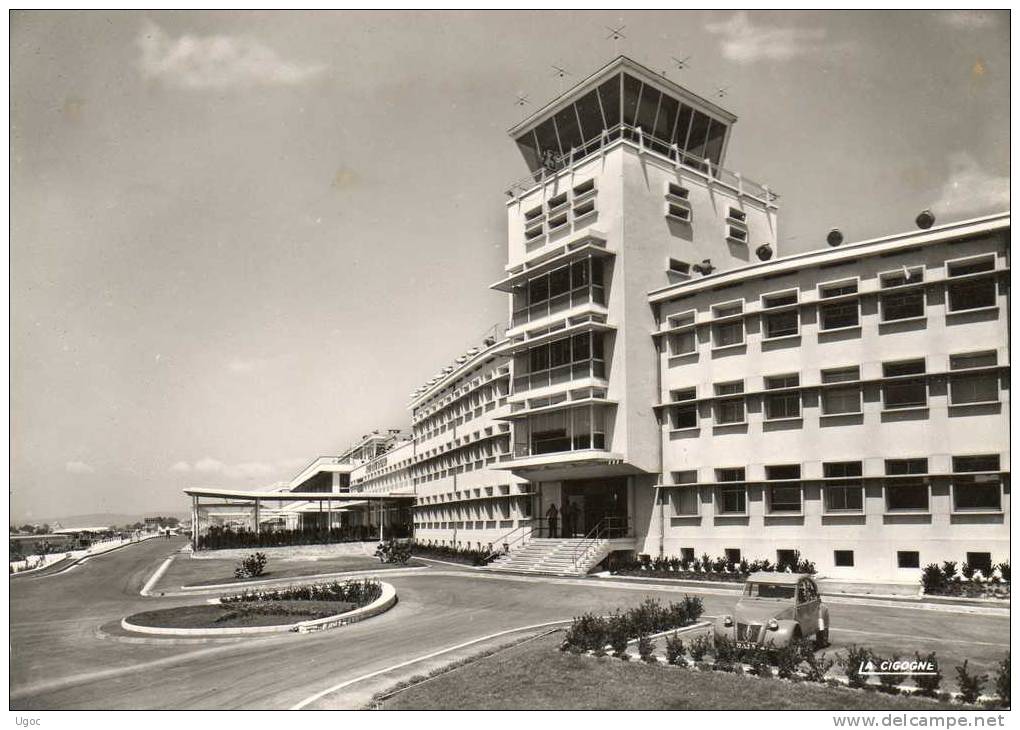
x=239, y=240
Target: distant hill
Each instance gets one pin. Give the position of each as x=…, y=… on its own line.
x=102, y=519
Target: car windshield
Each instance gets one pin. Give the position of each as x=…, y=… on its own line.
x=768, y=590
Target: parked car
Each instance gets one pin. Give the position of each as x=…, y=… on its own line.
x=775, y=610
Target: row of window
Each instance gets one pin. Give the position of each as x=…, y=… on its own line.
x=976, y=487
x=845, y=558
x=462, y=410
x=902, y=299
x=568, y=286
x=973, y=380
x=572, y=429
x=571, y=358
x=558, y=210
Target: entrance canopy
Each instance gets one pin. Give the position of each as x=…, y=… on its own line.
x=214, y=493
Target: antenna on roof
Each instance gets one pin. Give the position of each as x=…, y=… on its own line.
x=522, y=99
x=615, y=34
x=681, y=63
x=721, y=91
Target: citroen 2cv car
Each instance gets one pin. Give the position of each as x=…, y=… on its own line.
x=775, y=610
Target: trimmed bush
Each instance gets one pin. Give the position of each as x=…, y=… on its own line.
x=970, y=684
x=675, y=649
x=1002, y=681
x=889, y=683
x=817, y=666
x=699, y=648
x=646, y=649
x=927, y=684
x=251, y=567
x=357, y=592
x=852, y=662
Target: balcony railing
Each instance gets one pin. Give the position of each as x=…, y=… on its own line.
x=594, y=294
x=560, y=374
x=647, y=142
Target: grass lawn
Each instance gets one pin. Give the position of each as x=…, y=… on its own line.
x=536, y=676
x=191, y=572
x=216, y=616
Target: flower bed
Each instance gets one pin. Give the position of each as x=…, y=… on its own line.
x=797, y=662
x=466, y=556
x=706, y=568
x=943, y=580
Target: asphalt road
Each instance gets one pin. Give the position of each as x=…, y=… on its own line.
x=67, y=654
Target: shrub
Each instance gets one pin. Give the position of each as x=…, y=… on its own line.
x=787, y=659
x=851, y=662
x=970, y=684
x=646, y=649
x=1004, y=571
x=699, y=647
x=588, y=632
x=392, y=551
x=949, y=570
x=1002, y=681
x=617, y=629
x=251, y=567
x=694, y=607
x=933, y=578
x=357, y=592
x=968, y=571
x=889, y=683
x=817, y=665
x=760, y=661
x=927, y=684
x=675, y=649
x=725, y=654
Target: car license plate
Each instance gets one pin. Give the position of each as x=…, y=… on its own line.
x=746, y=645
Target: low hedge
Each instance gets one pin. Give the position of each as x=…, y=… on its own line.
x=356, y=592
x=467, y=556
x=944, y=580
x=590, y=632
x=707, y=568
x=226, y=538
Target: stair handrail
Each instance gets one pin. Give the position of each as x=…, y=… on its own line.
x=504, y=543
x=590, y=540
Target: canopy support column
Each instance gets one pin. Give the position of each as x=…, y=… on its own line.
x=257, y=520
x=194, y=523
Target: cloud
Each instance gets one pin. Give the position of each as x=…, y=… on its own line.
x=968, y=19
x=216, y=61
x=79, y=467
x=970, y=189
x=743, y=41
x=242, y=470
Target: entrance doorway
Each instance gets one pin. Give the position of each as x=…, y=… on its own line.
x=588, y=503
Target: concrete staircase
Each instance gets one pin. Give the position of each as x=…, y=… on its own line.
x=553, y=556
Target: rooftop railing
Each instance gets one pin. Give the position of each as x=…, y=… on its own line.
x=552, y=165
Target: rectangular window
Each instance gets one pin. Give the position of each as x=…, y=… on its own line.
x=730, y=411
x=732, y=500
x=782, y=472
x=971, y=293
x=903, y=277
x=676, y=190
x=687, y=554
x=685, y=417
x=732, y=555
x=683, y=343
x=839, y=315
x=905, y=392
x=841, y=400
x=900, y=467
x=735, y=233
x=844, y=496
x=980, y=387
x=737, y=215
x=786, y=558
x=782, y=324
x=685, y=502
x=784, y=405
x=677, y=266
x=843, y=558
x=735, y=474
x=908, y=559
x=980, y=491
x=982, y=562
x=906, y=495
x=727, y=334
x=784, y=498
x=678, y=211
x=902, y=305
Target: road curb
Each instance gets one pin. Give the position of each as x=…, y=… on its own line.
x=380, y=605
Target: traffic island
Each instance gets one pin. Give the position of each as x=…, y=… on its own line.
x=302, y=609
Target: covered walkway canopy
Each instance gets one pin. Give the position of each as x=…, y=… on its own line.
x=327, y=504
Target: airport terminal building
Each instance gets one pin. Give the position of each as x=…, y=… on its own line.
x=669, y=382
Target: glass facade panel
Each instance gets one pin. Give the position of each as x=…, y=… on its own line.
x=609, y=95
x=683, y=124
x=664, y=123
x=528, y=146
x=545, y=135
x=631, y=97
x=589, y=111
x=568, y=129
x=648, y=108
x=714, y=144
x=698, y=136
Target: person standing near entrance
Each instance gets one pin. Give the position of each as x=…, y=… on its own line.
x=574, y=518
x=551, y=515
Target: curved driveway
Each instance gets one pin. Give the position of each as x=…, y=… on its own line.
x=62, y=658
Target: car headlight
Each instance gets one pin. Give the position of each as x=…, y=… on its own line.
x=772, y=625
x=727, y=621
